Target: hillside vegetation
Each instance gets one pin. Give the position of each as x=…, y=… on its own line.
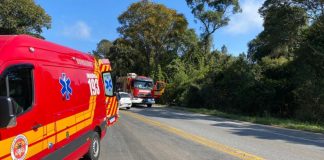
x=281, y=75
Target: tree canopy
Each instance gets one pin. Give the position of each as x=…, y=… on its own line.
x=283, y=27
x=154, y=31
x=23, y=17
x=103, y=48
x=213, y=15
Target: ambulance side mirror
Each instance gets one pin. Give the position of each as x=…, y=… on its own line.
x=8, y=112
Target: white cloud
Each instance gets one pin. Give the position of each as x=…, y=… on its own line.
x=78, y=30
x=248, y=20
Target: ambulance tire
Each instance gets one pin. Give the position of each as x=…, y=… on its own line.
x=149, y=105
x=94, y=150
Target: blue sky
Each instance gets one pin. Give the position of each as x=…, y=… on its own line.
x=82, y=24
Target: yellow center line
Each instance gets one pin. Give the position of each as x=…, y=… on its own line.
x=198, y=139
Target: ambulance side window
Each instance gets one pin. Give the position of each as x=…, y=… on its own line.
x=108, y=84
x=17, y=83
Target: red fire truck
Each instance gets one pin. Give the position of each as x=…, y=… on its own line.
x=55, y=102
x=140, y=88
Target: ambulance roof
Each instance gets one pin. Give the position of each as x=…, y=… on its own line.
x=13, y=41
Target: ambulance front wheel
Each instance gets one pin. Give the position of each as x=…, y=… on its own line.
x=149, y=105
x=94, y=150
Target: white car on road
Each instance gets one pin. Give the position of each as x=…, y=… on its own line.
x=124, y=100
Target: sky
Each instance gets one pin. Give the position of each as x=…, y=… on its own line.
x=81, y=24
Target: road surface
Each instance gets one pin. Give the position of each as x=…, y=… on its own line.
x=162, y=134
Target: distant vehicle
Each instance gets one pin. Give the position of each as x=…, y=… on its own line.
x=124, y=100
x=140, y=87
x=159, y=89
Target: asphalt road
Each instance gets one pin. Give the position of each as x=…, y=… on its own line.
x=162, y=134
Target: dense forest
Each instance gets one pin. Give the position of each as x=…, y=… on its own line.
x=282, y=74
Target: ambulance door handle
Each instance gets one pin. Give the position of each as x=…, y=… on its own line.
x=35, y=127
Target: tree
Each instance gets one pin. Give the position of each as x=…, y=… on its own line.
x=213, y=14
x=103, y=49
x=314, y=8
x=125, y=58
x=23, y=17
x=190, y=50
x=154, y=30
x=309, y=76
x=224, y=50
x=282, y=34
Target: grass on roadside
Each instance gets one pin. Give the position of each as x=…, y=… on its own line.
x=284, y=123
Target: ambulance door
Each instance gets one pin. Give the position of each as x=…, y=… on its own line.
x=65, y=113
x=49, y=101
x=111, y=100
x=59, y=98
x=19, y=91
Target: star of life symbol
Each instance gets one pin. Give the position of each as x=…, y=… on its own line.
x=66, y=86
x=109, y=85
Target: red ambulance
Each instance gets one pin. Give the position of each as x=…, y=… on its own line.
x=55, y=102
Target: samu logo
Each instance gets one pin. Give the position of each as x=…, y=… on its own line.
x=66, y=86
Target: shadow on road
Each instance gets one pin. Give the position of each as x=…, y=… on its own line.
x=272, y=133
x=240, y=128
